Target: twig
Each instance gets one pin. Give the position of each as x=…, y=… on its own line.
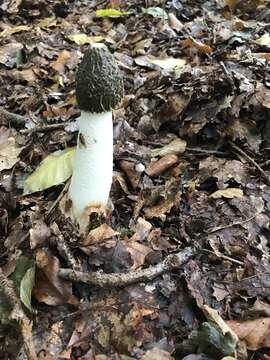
x=7, y=117
x=225, y=257
x=252, y=161
x=173, y=261
x=43, y=128
x=63, y=248
x=56, y=202
x=18, y=315
x=206, y=151
x=222, y=227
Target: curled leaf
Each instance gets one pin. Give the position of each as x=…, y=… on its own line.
x=169, y=63
x=82, y=39
x=156, y=12
x=228, y=193
x=177, y=146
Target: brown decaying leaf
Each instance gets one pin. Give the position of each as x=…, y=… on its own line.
x=39, y=234
x=9, y=150
x=138, y=252
x=49, y=288
x=190, y=42
x=59, y=64
x=263, y=95
x=162, y=208
x=223, y=170
x=142, y=230
x=157, y=354
x=255, y=333
x=99, y=235
x=129, y=169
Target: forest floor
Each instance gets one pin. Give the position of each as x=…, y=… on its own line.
x=191, y=185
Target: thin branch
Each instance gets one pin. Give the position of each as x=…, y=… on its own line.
x=252, y=161
x=17, y=314
x=44, y=128
x=222, y=227
x=173, y=261
x=225, y=257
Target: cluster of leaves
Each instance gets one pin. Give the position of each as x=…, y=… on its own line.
x=197, y=89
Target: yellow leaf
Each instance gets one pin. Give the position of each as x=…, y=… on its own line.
x=229, y=193
x=264, y=40
x=169, y=63
x=14, y=30
x=53, y=170
x=47, y=22
x=112, y=13
x=177, y=146
x=82, y=39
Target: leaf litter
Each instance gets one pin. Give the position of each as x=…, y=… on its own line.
x=197, y=89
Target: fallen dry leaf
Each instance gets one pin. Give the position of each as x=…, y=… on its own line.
x=156, y=354
x=8, y=53
x=255, y=333
x=59, y=64
x=177, y=146
x=82, y=39
x=9, y=150
x=13, y=30
x=99, y=235
x=138, y=252
x=263, y=95
x=169, y=63
x=174, y=22
x=159, y=210
x=228, y=193
x=39, y=234
x=264, y=40
x=49, y=287
x=190, y=42
x=142, y=229
x=129, y=168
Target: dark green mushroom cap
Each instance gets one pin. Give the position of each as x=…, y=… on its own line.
x=99, y=83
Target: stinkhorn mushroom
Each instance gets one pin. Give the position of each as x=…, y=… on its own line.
x=99, y=88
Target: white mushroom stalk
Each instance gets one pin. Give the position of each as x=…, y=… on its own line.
x=99, y=88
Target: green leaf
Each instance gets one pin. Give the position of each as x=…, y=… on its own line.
x=26, y=288
x=53, y=170
x=111, y=13
x=20, y=57
x=5, y=308
x=23, y=263
x=156, y=12
x=82, y=39
x=210, y=341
